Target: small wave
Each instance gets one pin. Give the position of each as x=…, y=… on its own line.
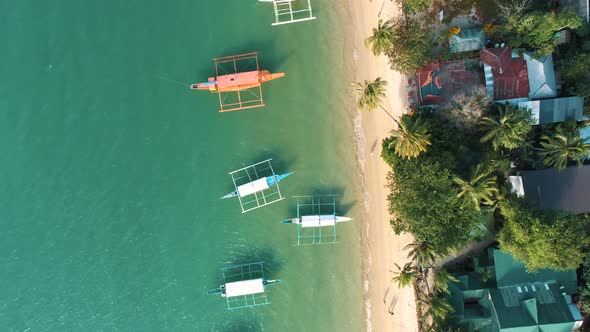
x=368, y=306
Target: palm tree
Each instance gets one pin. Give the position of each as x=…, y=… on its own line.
x=442, y=278
x=508, y=130
x=558, y=149
x=421, y=253
x=480, y=189
x=411, y=138
x=438, y=307
x=406, y=276
x=382, y=39
x=370, y=94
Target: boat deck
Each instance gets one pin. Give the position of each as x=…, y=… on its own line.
x=249, y=78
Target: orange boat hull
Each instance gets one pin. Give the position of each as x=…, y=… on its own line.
x=237, y=82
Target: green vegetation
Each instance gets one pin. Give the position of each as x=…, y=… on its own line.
x=442, y=278
x=412, y=47
x=438, y=307
x=584, y=300
x=411, y=138
x=450, y=165
x=479, y=189
x=414, y=6
x=563, y=146
x=382, y=39
x=508, y=129
x=369, y=94
x=406, y=275
x=572, y=60
x=542, y=238
x=534, y=30
x=422, y=254
x=423, y=201
x=574, y=67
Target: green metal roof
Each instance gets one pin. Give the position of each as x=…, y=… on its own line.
x=467, y=40
x=556, y=109
x=542, y=307
x=521, y=302
x=510, y=272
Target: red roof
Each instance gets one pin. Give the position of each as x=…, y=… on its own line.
x=510, y=74
x=440, y=82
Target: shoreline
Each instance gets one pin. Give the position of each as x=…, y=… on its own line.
x=387, y=308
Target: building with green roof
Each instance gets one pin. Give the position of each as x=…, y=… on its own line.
x=501, y=296
x=467, y=40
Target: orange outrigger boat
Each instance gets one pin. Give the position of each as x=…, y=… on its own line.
x=231, y=86
x=237, y=82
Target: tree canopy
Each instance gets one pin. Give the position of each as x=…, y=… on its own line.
x=508, y=129
x=411, y=138
x=414, y=6
x=423, y=201
x=536, y=30
x=542, y=238
x=412, y=46
x=563, y=146
x=381, y=39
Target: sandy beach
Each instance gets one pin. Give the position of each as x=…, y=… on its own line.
x=387, y=307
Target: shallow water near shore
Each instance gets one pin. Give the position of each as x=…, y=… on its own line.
x=113, y=168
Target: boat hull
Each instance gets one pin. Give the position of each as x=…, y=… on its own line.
x=270, y=181
x=237, y=82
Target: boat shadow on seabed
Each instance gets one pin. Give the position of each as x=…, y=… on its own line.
x=245, y=254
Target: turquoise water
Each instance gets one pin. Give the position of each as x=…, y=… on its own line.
x=112, y=168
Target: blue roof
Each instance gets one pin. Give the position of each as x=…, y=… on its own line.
x=541, y=77
x=556, y=109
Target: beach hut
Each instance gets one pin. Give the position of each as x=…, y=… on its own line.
x=316, y=219
x=244, y=286
x=291, y=11
x=256, y=185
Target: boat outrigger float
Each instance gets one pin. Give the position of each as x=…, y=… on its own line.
x=238, y=81
x=316, y=220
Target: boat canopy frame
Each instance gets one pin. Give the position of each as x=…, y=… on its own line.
x=240, y=99
x=289, y=11
x=250, y=174
x=316, y=205
x=242, y=272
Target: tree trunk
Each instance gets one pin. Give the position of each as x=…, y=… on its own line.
x=391, y=116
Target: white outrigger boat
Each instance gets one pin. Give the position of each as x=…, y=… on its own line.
x=256, y=185
x=244, y=286
x=316, y=219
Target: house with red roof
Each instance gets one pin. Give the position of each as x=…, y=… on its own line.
x=505, y=74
